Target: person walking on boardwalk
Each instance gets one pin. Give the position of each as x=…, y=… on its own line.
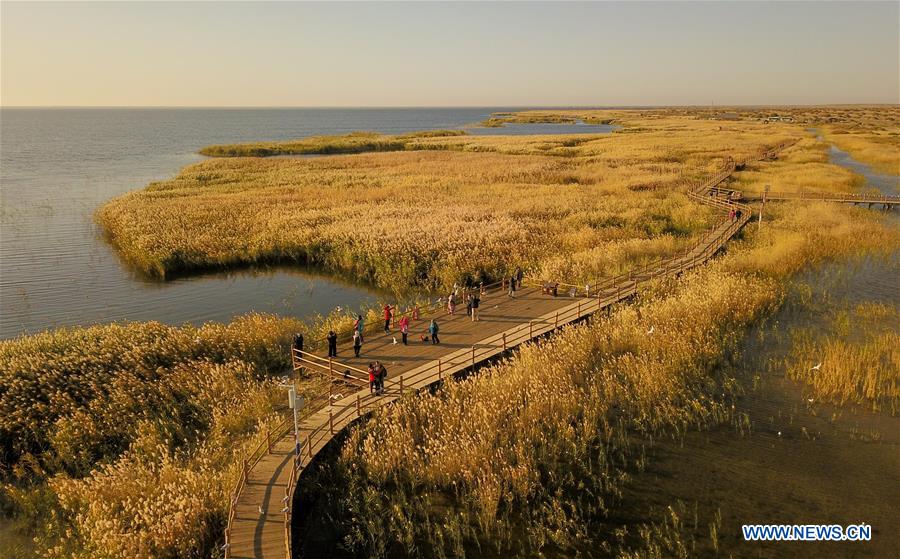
x=373, y=379
x=404, y=328
x=475, y=302
x=519, y=276
x=512, y=286
x=433, y=331
x=357, y=343
x=332, y=344
x=388, y=313
x=415, y=313
x=468, y=304
x=731, y=214
x=451, y=303
x=358, y=325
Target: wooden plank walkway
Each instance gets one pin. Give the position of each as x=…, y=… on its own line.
x=260, y=518
x=886, y=200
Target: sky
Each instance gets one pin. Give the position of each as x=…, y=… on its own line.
x=448, y=54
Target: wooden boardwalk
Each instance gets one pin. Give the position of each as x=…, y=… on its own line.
x=259, y=523
x=873, y=199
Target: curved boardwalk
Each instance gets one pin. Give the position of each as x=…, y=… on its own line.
x=259, y=523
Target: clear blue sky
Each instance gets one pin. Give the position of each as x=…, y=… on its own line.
x=441, y=54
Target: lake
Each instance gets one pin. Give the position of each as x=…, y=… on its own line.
x=57, y=166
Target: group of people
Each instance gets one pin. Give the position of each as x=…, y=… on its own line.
x=472, y=299
x=377, y=374
x=734, y=214
x=403, y=324
x=377, y=371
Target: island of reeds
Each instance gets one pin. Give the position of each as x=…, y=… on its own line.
x=123, y=440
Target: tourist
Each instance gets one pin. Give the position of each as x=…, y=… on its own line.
x=481, y=287
x=357, y=342
x=451, y=303
x=433, y=331
x=512, y=286
x=332, y=344
x=475, y=302
x=468, y=304
x=519, y=277
x=415, y=313
x=373, y=379
x=731, y=214
x=381, y=374
x=404, y=328
x=737, y=215
x=297, y=345
x=388, y=313
x=358, y=326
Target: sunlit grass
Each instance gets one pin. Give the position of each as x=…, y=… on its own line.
x=455, y=208
x=529, y=453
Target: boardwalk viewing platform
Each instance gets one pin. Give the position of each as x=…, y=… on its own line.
x=259, y=522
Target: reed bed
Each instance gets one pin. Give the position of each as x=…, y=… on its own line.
x=857, y=361
x=445, y=210
x=124, y=440
x=528, y=456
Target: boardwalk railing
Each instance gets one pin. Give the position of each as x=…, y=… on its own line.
x=595, y=297
x=261, y=449
x=855, y=198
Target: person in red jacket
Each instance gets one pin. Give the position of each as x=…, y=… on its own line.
x=388, y=313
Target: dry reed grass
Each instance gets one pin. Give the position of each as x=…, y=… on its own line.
x=455, y=208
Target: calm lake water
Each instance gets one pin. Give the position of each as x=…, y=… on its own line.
x=58, y=165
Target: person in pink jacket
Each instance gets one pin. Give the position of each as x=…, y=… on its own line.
x=404, y=328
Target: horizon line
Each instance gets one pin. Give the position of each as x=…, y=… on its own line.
x=532, y=107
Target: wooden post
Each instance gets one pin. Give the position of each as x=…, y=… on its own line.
x=440, y=369
x=556, y=323
x=358, y=407
x=401, y=385
x=504, y=341
x=269, y=441
x=530, y=329
x=473, y=355
x=331, y=421
x=246, y=469
x=308, y=445
x=579, y=308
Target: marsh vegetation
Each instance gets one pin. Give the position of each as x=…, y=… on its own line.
x=123, y=440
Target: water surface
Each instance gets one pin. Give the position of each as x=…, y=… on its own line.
x=57, y=166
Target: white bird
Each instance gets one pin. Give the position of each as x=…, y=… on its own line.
x=650, y=331
x=779, y=433
x=817, y=367
x=337, y=396
x=259, y=508
x=395, y=340
x=810, y=400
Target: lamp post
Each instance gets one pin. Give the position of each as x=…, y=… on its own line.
x=295, y=402
x=759, y=222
